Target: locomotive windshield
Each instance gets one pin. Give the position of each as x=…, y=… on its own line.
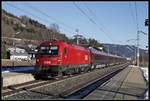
x=48, y=50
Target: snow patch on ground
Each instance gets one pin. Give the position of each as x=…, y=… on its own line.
x=145, y=74
x=19, y=69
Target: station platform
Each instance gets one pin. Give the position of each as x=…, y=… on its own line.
x=12, y=78
x=129, y=84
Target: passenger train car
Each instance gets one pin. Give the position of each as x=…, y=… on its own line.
x=58, y=58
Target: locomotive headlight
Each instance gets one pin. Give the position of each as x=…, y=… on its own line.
x=37, y=60
x=59, y=61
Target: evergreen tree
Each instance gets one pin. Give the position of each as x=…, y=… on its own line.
x=4, y=52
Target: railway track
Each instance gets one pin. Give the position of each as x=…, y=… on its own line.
x=88, y=88
x=9, y=90
x=18, y=88
x=15, y=89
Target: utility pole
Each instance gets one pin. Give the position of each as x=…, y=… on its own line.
x=14, y=44
x=143, y=59
x=135, y=54
x=135, y=49
x=77, y=36
x=138, y=38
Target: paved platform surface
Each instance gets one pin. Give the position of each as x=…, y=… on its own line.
x=12, y=78
x=129, y=84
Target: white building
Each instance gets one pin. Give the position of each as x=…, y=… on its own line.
x=128, y=58
x=20, y=57
x=16, y=50
x=18, y=54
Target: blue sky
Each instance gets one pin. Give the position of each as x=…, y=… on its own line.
x=116, y=21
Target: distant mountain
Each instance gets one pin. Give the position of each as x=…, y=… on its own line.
x=124, y=50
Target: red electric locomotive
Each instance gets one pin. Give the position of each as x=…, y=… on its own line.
x=57, y=58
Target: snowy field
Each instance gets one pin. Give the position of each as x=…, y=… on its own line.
x=145, y=74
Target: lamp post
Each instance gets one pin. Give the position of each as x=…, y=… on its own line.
x=138, y=38
x=77, y=36
x=22, y=25
x=135, y=47
x=14, y=42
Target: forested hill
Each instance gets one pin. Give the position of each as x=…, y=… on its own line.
x=28, y=28
x=24, y=27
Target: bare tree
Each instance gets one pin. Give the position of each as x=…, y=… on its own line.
x=54, y=27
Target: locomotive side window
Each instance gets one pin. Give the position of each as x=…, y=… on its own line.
x=48, y=50
x=65, y=51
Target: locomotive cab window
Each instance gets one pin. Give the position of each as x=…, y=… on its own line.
x=49, y=50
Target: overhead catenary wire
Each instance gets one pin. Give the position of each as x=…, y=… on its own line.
x=99, y=22
x=138, y=54
x=137, y=25
x=25, y=11
x=45, y=20
x=67, y=28
x=94, y=15
x=91, y=20
x=133, y=17
x=58, y=21
x=22, y=10
x=132, y=14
